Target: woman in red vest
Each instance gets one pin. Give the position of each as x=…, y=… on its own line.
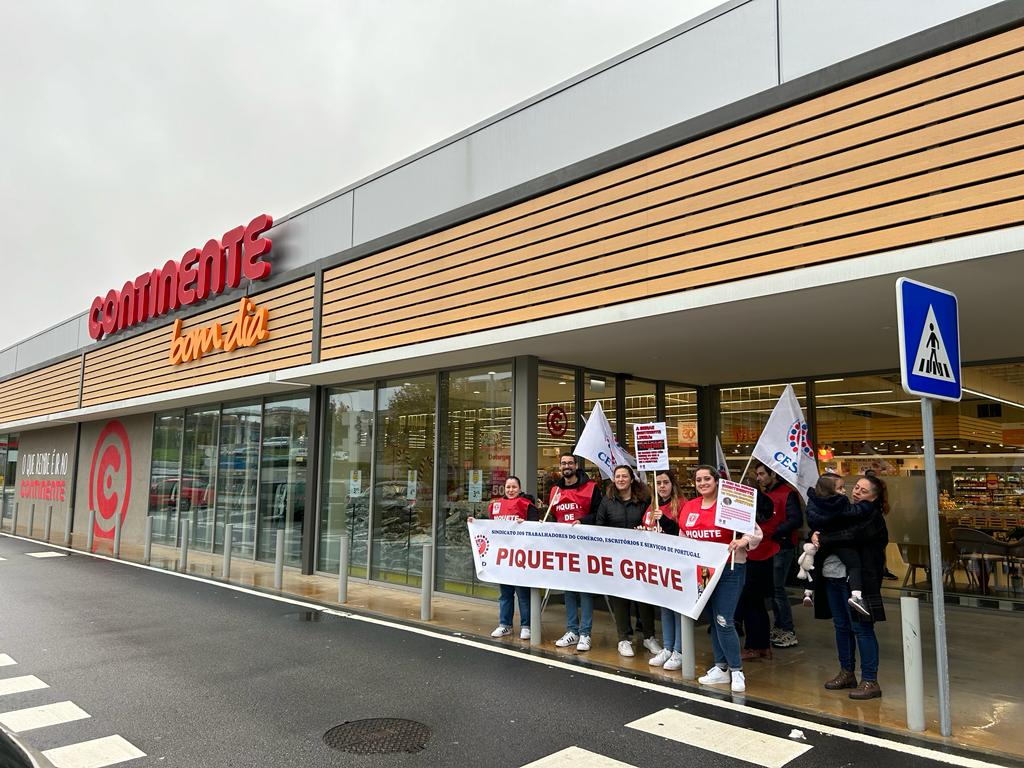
x=670, y=501
x=518, y=506
x=697, y=521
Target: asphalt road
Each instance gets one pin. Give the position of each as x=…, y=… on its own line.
x=194, y=674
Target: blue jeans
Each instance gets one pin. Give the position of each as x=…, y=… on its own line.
x=585, y=603
x=505, y=605
x=725, y=643
x=782, y=562
x=852, y=636
x=671, y=630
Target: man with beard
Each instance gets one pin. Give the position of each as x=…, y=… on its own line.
x=574, y=499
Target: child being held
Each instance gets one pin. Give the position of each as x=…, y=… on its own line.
x=828, y=510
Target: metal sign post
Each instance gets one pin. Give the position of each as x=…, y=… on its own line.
x=930, y=368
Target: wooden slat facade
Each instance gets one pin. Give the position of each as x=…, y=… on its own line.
x=928, y=151
x=48, y=390
x=140, y=366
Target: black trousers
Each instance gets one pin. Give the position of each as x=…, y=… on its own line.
x=752, y=611
x=620, y=607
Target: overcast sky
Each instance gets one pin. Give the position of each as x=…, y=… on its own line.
x=133, y=130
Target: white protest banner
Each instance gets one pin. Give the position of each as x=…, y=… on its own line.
x=737, y=507
x=651, y=441
x=783, y=446
x=597, y=444
x=672, y=571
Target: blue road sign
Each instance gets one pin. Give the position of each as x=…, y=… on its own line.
x=929, y=340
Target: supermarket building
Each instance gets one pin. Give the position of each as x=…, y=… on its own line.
x=677, y=233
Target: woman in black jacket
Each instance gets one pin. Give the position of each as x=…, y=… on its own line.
x=837, y=523
x=624, y=506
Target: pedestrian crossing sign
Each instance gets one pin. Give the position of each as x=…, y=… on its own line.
x=929, y=340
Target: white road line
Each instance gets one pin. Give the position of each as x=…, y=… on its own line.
x=3, y=558
x=94, y=754
x=21, y=720
x=45, y=554
x=21, y=684
x=6, y=661
x=721, y=738
x=574, y=757
x=612, y=677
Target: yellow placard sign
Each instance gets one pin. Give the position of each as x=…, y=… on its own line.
x=247, y=329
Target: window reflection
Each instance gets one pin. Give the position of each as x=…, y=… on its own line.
x=404, y=479
x=238, y=469
x=556, y=423
x=165, y=476
x=345, y=511
x=283, y=478
x=198, y=474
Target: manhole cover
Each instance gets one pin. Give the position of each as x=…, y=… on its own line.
x=377, y=736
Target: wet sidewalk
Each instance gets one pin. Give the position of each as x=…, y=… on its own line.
x=986, y=665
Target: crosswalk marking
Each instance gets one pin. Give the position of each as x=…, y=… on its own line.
x=46, y=554
x=21, y=720
x=21, y=684
x=94, y=754
x=574, y=757
x=6, y=661
x=721, y=738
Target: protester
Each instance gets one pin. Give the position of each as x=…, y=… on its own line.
x=787, y=504
x=516, y=506
x=758, y=586
x=574, y=499
x=697, y=521
x=624, y=506
x=839, y=524
x=670, y=501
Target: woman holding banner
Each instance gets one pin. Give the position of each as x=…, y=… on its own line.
x=625, y=506
x=517, y=506
x=670, y=501
x=697, y=521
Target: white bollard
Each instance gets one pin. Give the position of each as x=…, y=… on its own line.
x=31, y=520
x=536, y=614
x=49, y=522
x=183, y=557
x=688, y=652
x=117, y=535
x=90, y=533
x=426, y=584
x=14, y=520
x=229, y=538
x=343, y=570
x=147, y=541
x=913, y=664
x=68, y=518
x=279, y=561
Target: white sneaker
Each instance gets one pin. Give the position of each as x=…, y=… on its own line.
x=675, y=661
x=583, y=644
x=660, y=658
x=715, y=676
x=524, y=633
x=652, y=645
x=626, y=648
x=501, y=631
x=739, y=682
x=569, y=638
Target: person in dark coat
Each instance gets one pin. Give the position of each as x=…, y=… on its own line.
x=624, y=506
x=861, y=526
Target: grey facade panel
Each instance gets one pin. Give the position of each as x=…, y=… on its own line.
x=817, y=33
x=49, y=344
x=9, y=361
x=728, y=58
x=316, y=233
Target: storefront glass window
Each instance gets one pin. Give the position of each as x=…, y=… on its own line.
x=348, y=446
x=556, y=423
x=198, y=474
x=404, y=479
x=744, y=412
x=283, y=478
x=238, y=469
x=165, y=476
x=5, y=479
x=640, y=408
x=681, y=424
x=477, y=459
